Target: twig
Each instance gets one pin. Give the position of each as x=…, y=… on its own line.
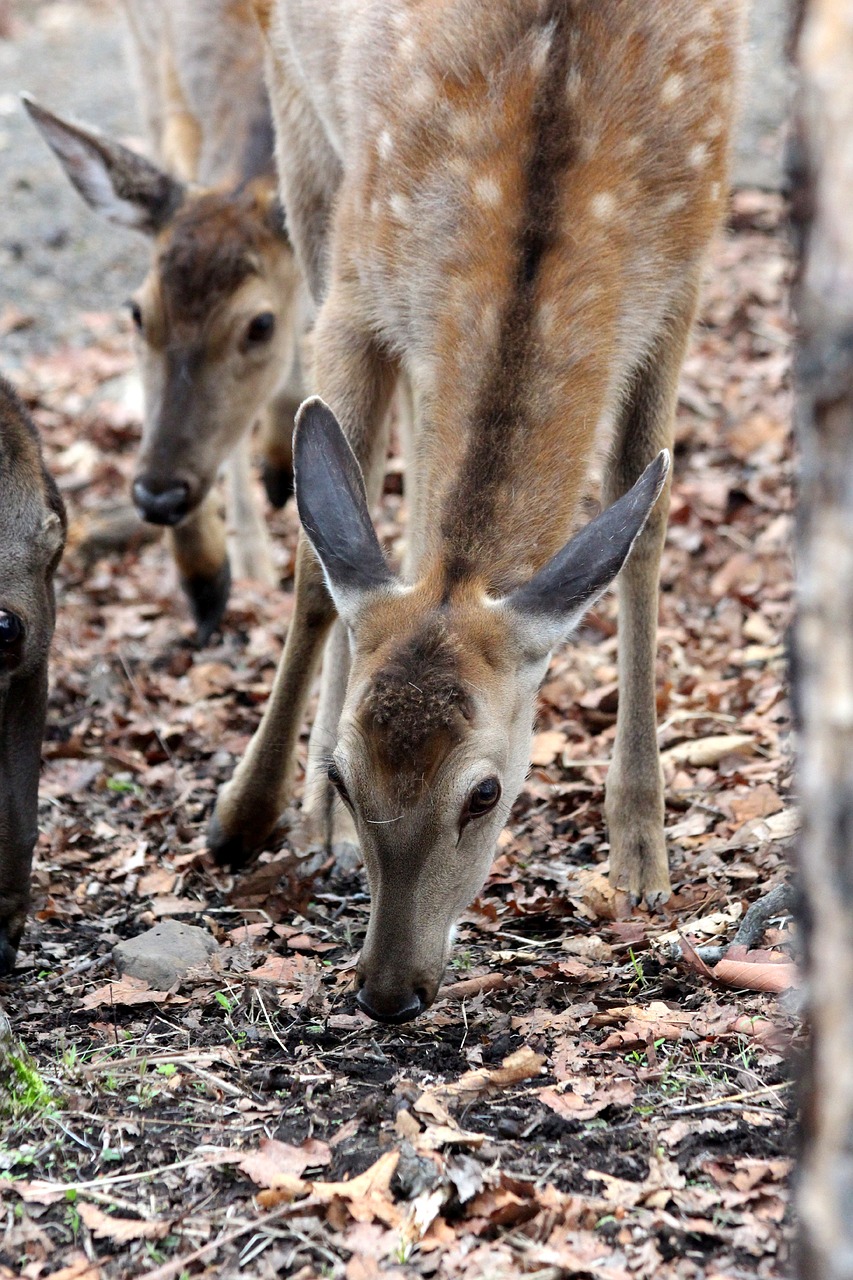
x=85, y=966
x=731, y=1099
x=178, y=1265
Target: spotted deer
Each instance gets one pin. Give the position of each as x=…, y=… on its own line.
x=509, y=203
x=219, y=316
x=32, y=535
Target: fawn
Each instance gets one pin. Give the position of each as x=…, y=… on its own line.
x=32, y=536
x=220, y=314
x=509, y=203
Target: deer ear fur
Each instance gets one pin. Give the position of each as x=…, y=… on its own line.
x=552, y=603
x=122, y=186
x=332, y=504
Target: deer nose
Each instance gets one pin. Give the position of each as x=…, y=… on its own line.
x=161, y=504
x=401, y=1008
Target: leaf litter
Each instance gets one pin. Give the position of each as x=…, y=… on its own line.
x=586, y=1098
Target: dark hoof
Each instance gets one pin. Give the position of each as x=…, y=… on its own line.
x=208, y=598
x=278, y=482
x=8, y=953
x=228, y=851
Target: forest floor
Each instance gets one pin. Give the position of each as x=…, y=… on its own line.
x=587, y=1097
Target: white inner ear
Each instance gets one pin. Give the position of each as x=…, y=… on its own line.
x=89, y=172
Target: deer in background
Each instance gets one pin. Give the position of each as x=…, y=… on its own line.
x=220, y=314
x=509, y=203
x=32, y=535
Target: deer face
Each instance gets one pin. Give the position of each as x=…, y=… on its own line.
x=215, y=334
x=433, y=742
x=214, y=318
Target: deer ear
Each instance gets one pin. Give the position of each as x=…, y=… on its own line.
x=553, y=602
x=124, y=187
x=332, y=503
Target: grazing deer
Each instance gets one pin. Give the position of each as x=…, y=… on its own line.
x=510, y=203
x=32, y=535
x=221, y=310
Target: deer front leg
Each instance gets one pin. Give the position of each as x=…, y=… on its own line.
x=325, y=820
x=277, y=447
x=351, y=374
x=634, y=805
x=198, y=546
x=251, y=553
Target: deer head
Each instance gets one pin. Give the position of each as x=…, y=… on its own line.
x=214, y=317
x=434, y=739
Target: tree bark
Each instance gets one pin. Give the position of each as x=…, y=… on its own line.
x=823, y=214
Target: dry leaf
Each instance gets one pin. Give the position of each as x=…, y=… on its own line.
x=127, y=991
x=547, y=747
x=274, y=1159
x=107, y=1227
x=709, y=751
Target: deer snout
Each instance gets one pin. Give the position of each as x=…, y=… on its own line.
x=391, y=1007
x=161, y=502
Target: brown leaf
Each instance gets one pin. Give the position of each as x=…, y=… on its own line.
x=518, y=1066
x=573, y=1105
x=273, y=1159
x=547, y=747
x=756, y=975
x=107, y=1227
x=126, y=991
x=710, y=751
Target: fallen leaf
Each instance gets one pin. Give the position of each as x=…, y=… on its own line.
x=107, y=1227
x=709, y=751
x=127, y=991
x=274, y=1159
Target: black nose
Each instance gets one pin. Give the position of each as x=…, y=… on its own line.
x=391, y=1011
x=160, y=505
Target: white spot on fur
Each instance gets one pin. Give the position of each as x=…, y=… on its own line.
x=603, y=205
x=540, y=51
x=574, y=83
x=672, y=88
x=673, y=203
x=697, y=157
x=715, y=190
x=633, y=144
x=400, y=207
x=487, y=190
x=422, y=92
x=385, y=144
x=547, y=318
x=407, y=48
x=713, y=127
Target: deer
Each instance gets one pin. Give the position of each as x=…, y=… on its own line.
x=511, y=204
x=32, y=538
x=220, y=316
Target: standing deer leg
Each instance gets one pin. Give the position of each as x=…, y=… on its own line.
x=198, y=546
x=357, y=379
x=277, y=447
x=634, y=805
x=251, y=554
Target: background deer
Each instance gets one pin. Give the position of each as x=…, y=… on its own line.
x=220, y=313
x=32, y=535
x=509, y=202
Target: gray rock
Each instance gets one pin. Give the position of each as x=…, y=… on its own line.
x=162, y=955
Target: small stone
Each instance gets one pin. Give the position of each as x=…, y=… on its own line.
x=163, y=954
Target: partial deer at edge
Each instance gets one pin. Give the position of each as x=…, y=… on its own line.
x=510, y=203
x=220, y=314
x=32, y=535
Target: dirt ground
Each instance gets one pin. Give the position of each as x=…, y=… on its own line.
x=591, y=1095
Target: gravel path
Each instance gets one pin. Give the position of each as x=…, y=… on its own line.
x=56, y=257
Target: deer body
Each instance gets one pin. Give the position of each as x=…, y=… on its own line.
x=32, y=535
x=509, y=202
x=220, y=315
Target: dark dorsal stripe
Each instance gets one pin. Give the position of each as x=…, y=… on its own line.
x=499, y=423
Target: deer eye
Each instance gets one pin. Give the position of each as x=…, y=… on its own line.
x=482, y=799
x=338, y=783
x=11, y=629
x=260, y=329
x=135, y=314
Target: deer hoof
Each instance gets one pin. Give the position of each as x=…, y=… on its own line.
x=278, y=482
x=639, y=869
x=208, y=598
x=8, y=952
x=228, y=851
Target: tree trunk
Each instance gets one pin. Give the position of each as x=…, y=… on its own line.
x=823, y=210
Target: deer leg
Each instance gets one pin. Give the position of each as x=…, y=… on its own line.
x=251, y=554
x=357, y=380
x=198, y=546
x=277, y=447
x=634, y=805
